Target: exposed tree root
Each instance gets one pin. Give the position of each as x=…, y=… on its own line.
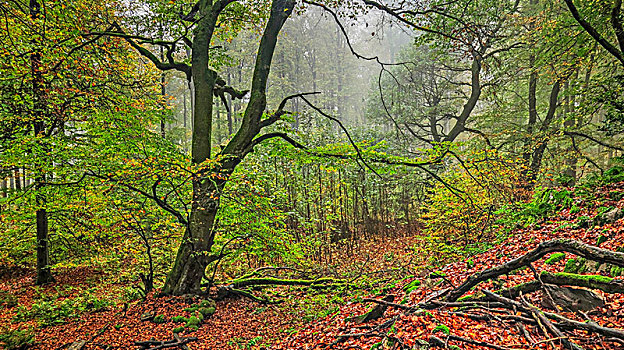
x=558, y=245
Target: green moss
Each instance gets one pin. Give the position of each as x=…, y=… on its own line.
x=464, y=298
x=516, y=271
x=193, y=321
x=601, y=239
x=412, y=286
x=442, y=328
x=207, y=303
x=178, y=329
x=555, y=258
x=469, y=263
x=616, y=271
x=179, y=319
x=192, y=308
x=588, y=278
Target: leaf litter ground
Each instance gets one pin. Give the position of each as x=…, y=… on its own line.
x=244, y=324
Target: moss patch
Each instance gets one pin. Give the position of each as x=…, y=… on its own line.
x=555, y=258
x=586, y=278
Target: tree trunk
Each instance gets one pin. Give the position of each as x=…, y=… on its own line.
x=44, y=274
x=194, y=253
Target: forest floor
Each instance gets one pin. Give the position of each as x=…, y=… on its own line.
x=87, y=304
x=81, y=304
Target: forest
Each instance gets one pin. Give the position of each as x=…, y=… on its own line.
x=311, y=174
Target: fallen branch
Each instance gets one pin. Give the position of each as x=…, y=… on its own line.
x=437, y=342
x=272, y=281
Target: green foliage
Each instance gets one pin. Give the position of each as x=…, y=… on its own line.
x=54, y=312
x=247, y=344
x=601, y=239
x=545, y=202
x=7, y=299
x=459, y=218
x=319, y=305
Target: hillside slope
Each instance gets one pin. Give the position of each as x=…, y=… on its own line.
x=425, y=315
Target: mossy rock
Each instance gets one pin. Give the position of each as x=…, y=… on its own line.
x=192, y=308
x=555, y=258
x=200, y=316
x=177, y=329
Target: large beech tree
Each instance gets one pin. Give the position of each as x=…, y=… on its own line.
x=212, y=171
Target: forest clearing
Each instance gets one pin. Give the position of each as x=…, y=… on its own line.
x=301, y=174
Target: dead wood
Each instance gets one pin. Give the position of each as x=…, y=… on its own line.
x=562, y=322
